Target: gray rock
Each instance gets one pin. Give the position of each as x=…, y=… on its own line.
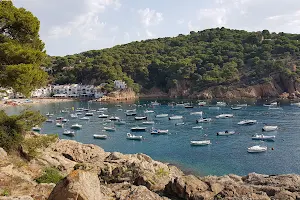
x=3, y=153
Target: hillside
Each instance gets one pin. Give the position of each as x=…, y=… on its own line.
x=196, y=62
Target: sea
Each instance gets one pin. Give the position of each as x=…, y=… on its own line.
x=225, y=154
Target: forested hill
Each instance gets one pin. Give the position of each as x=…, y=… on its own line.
x=206, y=58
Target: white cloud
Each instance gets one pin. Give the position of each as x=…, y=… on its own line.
x=180, y=21
x=192, y=27
x=86, y=25
x=213, y=17
x=149, y=34
x=150, y=17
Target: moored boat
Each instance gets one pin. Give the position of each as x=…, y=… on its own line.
x=196, y=113
x=257, y=149
x=155, y=103
x=202, y=103
x=236, y=108
x=120, y=122
x=84, y=118
x=69, y=133
x=73, y=115
x=49, y=120
x=114, y=118
x=225, y=133
x=130, y=113
x=76, y=126
x=65, y=120
x=200, y=143
x=269, y=128
x=203, y=120
x=263, y=137
x=224, y=116
x=140, y=118
x=148, y=122
x=59, y=124
x=89, y=114
x=221, y=103
x=134, y=137
x=138, y=128
x=175, y=117
x=149, y=111
x=162, y=115
x=36, y=128
x=159, y=132
x=247, y=122
x=179, y=124
x=110, y=129
x=102, y=116
x=102, y=137
x=197, y=127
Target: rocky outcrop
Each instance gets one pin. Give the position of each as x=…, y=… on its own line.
x=153, y=93
x=120, y=95
x=91, y=173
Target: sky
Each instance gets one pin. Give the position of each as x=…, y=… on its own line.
x=74, y=26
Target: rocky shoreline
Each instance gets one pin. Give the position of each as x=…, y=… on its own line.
x=93, y=174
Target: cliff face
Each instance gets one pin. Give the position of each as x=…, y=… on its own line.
x=93, y=174
x=120, y=95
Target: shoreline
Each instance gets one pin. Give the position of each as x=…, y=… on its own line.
x=32, y=101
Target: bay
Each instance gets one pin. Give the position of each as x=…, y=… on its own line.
x=224, y=156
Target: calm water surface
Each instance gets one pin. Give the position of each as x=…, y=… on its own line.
x=225, y=155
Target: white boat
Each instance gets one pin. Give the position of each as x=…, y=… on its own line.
x=295, y=104
x=76, y=126
x=270, y=104
x=202, y=103
x=236, y=108
x=149, y=111
x=89, y=114
x=138, y=128
x=64, y=111
x=224, y=116
x=93, y=111
x=188, y=106
x=86, y=109
x=114, y=118
x=69, y=133
x=225, y=133
x=59, y=118
x=120, y=122
x=159, y=132
x=120, y=109
x=176, y=117
x=59, y=124
x=197, y=127
x=263, y=137
x=180, y=104
x=73, y=115
x=111, y=129
x=130, y=113
x=49, y=115
x=79, y=110
x=242, y=105
x=140, y=118
x=196, y=113
x=102, y=137
x=257, y=149
x=269, y=128
x=103, y=109
x=179, y=124
x=118, y=105
x=49, y=120
x=78, y=113
x=247, y=122
x=200, y=143
x=162, y=115
x=148, y=122
x=84, y=118
x=36, y=128
x=103, y=116
x=155, y=103
x=203, y=120
x=134, y=137
x=275, y=108
x=65, y=120
x=221, y=103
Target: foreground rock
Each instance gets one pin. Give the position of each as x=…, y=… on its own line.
x=91, y=173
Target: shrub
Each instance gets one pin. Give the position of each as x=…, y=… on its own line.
x=50, y=175
x=162, y=172
x=5, y=192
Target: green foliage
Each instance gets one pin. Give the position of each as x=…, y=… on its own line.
x=21, y=51
x=80, y=166
x=13, y=127
x=5, y=192
x=50, y=175
x=206, y=58
x=32, y=145
x=162, y=172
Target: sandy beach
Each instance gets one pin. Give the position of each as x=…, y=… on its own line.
x=31, y=101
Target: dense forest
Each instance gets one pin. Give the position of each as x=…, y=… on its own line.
x=205, y=58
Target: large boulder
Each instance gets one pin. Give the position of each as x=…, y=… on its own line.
x=3, y=154
x=78, y=185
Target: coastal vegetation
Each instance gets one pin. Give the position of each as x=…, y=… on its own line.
x=206, y=58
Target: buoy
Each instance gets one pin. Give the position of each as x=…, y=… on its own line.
x=272, y=148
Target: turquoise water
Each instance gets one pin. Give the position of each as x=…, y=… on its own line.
x=225, y=155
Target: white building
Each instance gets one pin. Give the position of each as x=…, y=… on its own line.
x=120, y=84
x=42, y=92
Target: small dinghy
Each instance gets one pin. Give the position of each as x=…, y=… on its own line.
x=263, y=137
x=202, y=103
x=159, y=132
x=65, y=120
x=64, y=111
x=247, y=122
x=149, y=111
x=224, y=116
x=134, y=137
x=69, y=133
x=138, y=128
x=179, y=124
x=101, y=137
x=114, y=118
x=197, y=127
x=140, y=118
x=270, y=104
x=93, y=110
x=59, y=124
x=49, y=115
x=49, y=120
x=85, y=118
x=36, y=128
x=155, y=103
x=196, y=113
x=89, y=114
x=203, y=120
x=110, y=129
x=257, y=149
x=162, y=115
x=148, y=122
x=200, y=143
x=236, y=108
x=221, y=103
x=120, y=122
x=76, y=126
x=269, y=128
x=73, y=115
x=103, y=116
x=225, y=133
x=176, y=117
x=103, y=109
